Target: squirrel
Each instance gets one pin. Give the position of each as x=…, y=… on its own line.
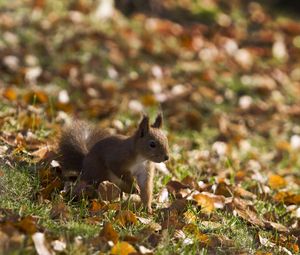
x=99, y=156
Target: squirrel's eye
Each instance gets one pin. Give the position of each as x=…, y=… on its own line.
x=152, y=144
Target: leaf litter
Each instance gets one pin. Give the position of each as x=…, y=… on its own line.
x=229, y=92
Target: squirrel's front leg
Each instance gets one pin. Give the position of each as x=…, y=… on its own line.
x=145, y=182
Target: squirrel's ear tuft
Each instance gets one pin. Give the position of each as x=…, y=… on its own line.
x=158, y=121
x=144, y=126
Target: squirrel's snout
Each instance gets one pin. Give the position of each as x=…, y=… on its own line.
x=166, y=157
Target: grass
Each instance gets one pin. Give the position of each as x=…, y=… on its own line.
x=75, y=52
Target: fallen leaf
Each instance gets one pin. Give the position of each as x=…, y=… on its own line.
x=175, y=186
x=55, y=184
x=276, y=181
x=122, y=248
x=277, y=226
x=190, y=182
x=42, y=152
x=240, y=192
x=206, y=203
x=126, y=217
x=96, y=206
x=10, y=94
x=108, y=191
x=287, y=198
x=109, y=233
x=60, y=211
x=27, y=225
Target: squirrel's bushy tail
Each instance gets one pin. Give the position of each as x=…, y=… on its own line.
x=74, y=144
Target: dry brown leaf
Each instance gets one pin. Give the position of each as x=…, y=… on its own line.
x=246, y=211
x=109, y=233
x=250, y=216
x=126, y=217
x=171, y=220
x=108, y=191
x=122, y=248
x=27, y=225
x=190, y=182
x=55, y=184
x=180, y=205
x=93, y=220
x=240, y=192
x=46, y=175
x=60, y=211
x=42, y=152
x=175, y=186
x=277, y=226
x=276, y=181
x=223, y=189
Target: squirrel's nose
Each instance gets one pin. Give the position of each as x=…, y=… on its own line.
x=166, y=157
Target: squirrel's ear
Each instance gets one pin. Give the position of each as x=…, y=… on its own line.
x=144, y=126
x=158, y=121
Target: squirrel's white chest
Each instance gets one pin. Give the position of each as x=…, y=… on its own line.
x=138, y=166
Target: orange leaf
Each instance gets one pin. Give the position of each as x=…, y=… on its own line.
x=96, y=206
x=206, y=202
x=109, y=233
x=126, y=217
x=287, y=198
x=122, y=248
x=276, y=181
x=10, y=94
x=283, y=146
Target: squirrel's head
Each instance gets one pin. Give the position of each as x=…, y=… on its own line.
x=151, y=142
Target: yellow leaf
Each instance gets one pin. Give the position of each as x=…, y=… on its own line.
x=206, y=202
x=276, y=181
x=193, y=230
x=283, y=146
x=122, y=248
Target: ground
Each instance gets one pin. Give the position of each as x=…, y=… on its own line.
x=225, y=75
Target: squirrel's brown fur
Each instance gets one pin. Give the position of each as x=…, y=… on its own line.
x=99, y=156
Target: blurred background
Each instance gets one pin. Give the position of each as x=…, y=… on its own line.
x=224, y=73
